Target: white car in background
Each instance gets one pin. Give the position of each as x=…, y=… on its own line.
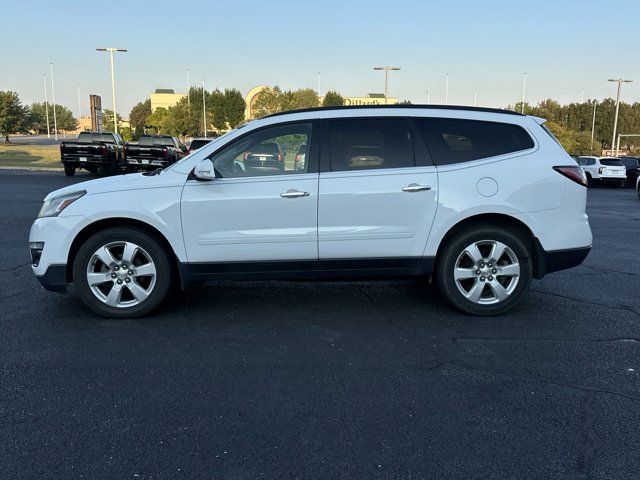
x=479, y=200
x=606, y=170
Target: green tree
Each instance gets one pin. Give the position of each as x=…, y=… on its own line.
x=233, y=107
x=304, y=98
x=107, y=120
x=14, y=117
x=332, y=99
x=158, y=120
x=139, y=114
x=268, y=102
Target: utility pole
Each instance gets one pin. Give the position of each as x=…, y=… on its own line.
x=204, y=110
x=593, y=124
x=113, y=82
x=188, y=91
x=446, y=89
x=524, y=90
x=386, y=70
x=619, y=81
x=53, y=99
x=79, y=106
x=46, y=104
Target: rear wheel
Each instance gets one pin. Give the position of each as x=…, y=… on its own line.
x=589, y=180
x=69, y=170
x=485, y=270
x=122, y=273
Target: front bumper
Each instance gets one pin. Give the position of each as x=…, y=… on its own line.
x=54, y=278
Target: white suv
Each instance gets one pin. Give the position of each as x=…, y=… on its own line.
x=480, y=200
x=604, y=170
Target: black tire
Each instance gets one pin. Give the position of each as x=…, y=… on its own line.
x=589, y=180
x=456, y=245
x=69, y=170
x=638, y=192
x=151, y=245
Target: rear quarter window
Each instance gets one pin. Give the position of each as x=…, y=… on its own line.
x=452, y=140
x=611, y=162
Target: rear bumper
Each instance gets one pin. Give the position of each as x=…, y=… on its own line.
x=557, y=260
x=54, y=278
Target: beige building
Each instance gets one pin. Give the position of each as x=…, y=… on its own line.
x=165, y=98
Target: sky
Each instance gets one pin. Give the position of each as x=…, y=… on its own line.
x=485, y=46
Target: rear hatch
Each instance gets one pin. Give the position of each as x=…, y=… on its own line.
x=612, y=167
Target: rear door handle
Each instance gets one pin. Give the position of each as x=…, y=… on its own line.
x=294, y=194
x=414, y=187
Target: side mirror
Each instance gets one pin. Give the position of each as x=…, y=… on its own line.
x=204, y=170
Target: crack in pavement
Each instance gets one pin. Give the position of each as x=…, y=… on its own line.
x=580, y=300
x=11, y=269
x=608, y=270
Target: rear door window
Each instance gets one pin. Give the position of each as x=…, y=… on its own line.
x=370, y=143
x=452, y=140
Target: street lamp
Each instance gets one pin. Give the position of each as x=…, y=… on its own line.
x=53, y=100
x=113, y=82
x=524, y=90
x=188, y=92
x=46, y=104
x=619, y=81
x=386, y=70
x=446, y=89
x=204, y=110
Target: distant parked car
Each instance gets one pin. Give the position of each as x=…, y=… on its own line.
x=632, y=165
x=606, y=170
x=93, y=151
x=265, y=157
x=153, y=151
x=197, y=143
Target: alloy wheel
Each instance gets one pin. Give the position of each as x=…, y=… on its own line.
x=486, y=272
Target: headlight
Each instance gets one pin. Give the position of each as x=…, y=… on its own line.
x=53, y=206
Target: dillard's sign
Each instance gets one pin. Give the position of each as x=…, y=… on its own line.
x=355, y=101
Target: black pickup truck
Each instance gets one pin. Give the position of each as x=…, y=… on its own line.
x=94, y=151
x=153, y=151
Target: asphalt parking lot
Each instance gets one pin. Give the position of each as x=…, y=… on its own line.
x=324, y=380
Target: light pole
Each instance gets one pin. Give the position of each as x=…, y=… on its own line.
x=188, y=91
x=386, y=70
x=113, y=82
x=53, y=99
x=619, y=81
x=446, y=89
x=593, y=125
x=524, y=90
x=46, y=104
x=475, y=98
x=428, y=97
x=79, y=106
x=204, y=110
x=318, y=83
x=582, y=95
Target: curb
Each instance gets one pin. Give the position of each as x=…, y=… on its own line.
x=34, y=169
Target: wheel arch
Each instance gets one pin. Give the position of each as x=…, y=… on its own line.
x=501, y=220
x=105, y=223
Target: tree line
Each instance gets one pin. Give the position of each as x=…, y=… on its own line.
x=18, y=118
x=570, y=123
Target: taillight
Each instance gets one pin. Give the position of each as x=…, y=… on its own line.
x=62, y=149
x=104, y=149
x=279, y=157
x=298, y=158
x=601, y=170
x=164, y=152
x=573, y=172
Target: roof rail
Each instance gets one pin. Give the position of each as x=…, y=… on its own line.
x=396, y=106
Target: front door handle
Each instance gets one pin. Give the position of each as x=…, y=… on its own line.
x=414, y=187
x=294, y=194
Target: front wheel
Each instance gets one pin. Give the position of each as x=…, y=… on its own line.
x=69, y=170
x=485, y=270
x=122, y=273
